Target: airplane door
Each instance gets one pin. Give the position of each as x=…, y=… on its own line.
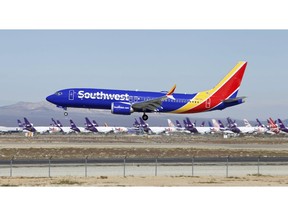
x=208, y=103
x=71, y=95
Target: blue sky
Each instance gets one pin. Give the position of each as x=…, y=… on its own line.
x=36, y=63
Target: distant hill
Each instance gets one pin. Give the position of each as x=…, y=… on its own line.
x=40, y=114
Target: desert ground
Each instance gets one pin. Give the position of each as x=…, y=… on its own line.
x=118, y=146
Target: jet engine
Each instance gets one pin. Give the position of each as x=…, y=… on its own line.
x=121, y=108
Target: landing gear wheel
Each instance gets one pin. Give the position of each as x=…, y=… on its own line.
x=65, y=113
x=145, y=117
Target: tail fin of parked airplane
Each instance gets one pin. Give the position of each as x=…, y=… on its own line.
x=282, y=126
x=210, y=124
x=29, y=126
x=221, y=124
x=136, y=124
x=20, y=124
x=246, y=123
x=216, y=124
x=74, y=127
x=95, y=123
x=59, y=123
x=178, y=124
x=90, y=126
x=170, y=123
x=260, y=124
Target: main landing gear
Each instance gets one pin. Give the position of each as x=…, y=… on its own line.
x=145, y=117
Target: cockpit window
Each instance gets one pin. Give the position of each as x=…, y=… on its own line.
x=58, y=93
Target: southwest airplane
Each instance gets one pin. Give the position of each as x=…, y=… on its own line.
x=125, y=102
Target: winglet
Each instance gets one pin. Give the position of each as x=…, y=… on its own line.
x=169, y=94
x=171, y=90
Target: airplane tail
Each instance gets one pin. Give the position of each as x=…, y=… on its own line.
x=59, y=123
x=73, y=126
x=215, y=123
x=221, y=124
x=203, y=124
x=259, y=123
x=178, y=124
x=282, y=126
x=20, y=124
x=271, y=123
x=90, y=126
x=246, y=123
x=189, y=123
x=95, y=123
x=170, y=123
x=228, y=87
x=223, y=95
x=142, y=123
x=29, y=126
x=136, y=124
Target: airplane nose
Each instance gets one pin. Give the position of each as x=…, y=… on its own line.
x=50, y=98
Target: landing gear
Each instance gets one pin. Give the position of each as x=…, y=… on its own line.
x=65, y=113
x=145, y=117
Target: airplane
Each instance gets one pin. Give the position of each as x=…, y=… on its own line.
x=125, y=102
x=91, y=127
x=248, y=129
x=189, y=127
x=283, y=128
x=78, y=129
x=4, y=129
x=180, y=128
x=218, y=127
x=61, y=128
x=171, y=127
x=200, y=130
x=116, y=129
x=38, y=129
x=153, y=130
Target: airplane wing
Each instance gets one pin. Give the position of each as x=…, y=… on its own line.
x=155, y=103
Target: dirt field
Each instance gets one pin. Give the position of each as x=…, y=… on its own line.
x=95, y=146
x=147, y=181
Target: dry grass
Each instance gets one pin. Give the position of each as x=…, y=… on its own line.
x=161, y=181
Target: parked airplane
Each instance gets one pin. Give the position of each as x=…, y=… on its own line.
x=98, y=129
x=218, y=127
x=248, y=129
x=61, y=128
x=175, y=129
x=4, y=129
x=153, y=130
x=283, y=128
x=38, y=129
x=202, y=130
x=123, y=102
x=78, y=129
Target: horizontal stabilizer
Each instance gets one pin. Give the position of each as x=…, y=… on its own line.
x=231, y=100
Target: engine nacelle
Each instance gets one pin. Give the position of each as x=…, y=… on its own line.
x=121, y=108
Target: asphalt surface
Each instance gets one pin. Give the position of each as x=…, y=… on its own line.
x=148, y=160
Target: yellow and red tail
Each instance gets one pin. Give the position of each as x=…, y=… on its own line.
x=223, y=95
